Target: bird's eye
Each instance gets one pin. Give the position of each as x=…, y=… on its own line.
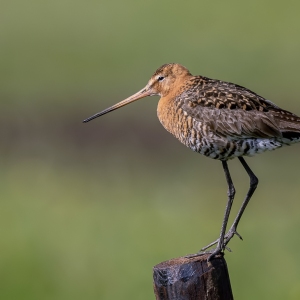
x=160, y=78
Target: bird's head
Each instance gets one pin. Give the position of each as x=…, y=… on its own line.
x=166, y=79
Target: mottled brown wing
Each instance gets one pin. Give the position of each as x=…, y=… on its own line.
x=234, y=111
x=239, y=124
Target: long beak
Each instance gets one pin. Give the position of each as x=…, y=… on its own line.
x=146, y=91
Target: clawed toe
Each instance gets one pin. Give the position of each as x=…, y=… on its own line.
x=209, y=245
x=236, y=233
x=198, y=254
x=228, y=249
x=219, y=250
x=228, y=236
x=212, y=252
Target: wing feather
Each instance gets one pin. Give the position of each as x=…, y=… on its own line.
x=231, y=110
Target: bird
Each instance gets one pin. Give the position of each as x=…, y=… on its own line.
x=220, y=120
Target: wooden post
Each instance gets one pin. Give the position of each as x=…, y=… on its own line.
x=192, y=279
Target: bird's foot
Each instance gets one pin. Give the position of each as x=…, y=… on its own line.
x=228, y=236
x=199, y=253
x=212, y=252
x=219, y=250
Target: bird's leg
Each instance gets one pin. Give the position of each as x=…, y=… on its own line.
x=253, y=185
x=231, y=192
x=232, y=231
x=222, y=242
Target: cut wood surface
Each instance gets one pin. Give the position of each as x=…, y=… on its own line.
x=192, y=279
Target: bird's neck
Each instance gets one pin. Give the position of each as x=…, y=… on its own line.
x=169, y=106
x=167, y=113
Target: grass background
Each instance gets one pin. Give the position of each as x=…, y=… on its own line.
x=87, y=210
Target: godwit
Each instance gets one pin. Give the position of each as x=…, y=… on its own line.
x=220, y=120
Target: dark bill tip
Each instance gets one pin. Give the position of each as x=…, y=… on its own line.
x=97, y=115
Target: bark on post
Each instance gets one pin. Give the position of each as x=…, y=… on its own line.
x=192, y=279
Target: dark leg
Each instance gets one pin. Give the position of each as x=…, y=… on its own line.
x=221, y=243
x=224, y=240
x=232, y=231
x=253, y=185
x=231, y=192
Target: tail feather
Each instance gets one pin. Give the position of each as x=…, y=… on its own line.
x=290, y=129
x=291, y=135
x=288, y=124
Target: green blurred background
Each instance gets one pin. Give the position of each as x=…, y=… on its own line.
x=87, y=210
